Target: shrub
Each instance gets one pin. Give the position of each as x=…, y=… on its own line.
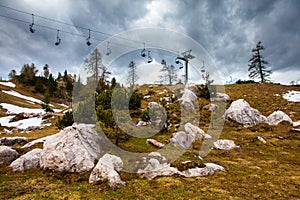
x=66, y=120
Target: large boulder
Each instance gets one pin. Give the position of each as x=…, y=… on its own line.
x=241, y=112
x=209, y=169
x=10, y=141
x=7, y=155
x=225, y=144
x=74, y=149
x=27, y=161
x=107, y=169
x=188, y=101
x=277, y=117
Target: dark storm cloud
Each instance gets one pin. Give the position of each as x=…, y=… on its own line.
x=228, y=30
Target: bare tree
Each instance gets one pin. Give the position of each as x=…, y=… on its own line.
x=93, y=64
x=132, y=74
x=46, y=71
x=169, y=73
x=257, y=69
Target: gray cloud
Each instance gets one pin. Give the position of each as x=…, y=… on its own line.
x=226, y=29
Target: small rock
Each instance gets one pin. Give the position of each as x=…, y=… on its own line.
x=209, y=169
x=7, y=155
x=27, y=161
x=211, y=107
x=155, y=143
x=225, y=144
x=10, y=141
x=262, y=139
x=143, y=123
x=220, y=97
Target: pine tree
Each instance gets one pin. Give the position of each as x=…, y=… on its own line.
x=12, y=74
x=257, y=69
x=132, y=74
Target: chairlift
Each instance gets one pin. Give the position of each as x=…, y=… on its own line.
x=88, y=39
x=108, y=50
x=143, y=52
x=58, y=40
x=149, y=57
x=31, y=29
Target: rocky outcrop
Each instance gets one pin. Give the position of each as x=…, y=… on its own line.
x=10, y=141
x=225, y=144
x=27, y=161
x=7, y=155
x=74, y=149
x=241, y=112
x=278, y=116
x=107, y=169
x=209, y=169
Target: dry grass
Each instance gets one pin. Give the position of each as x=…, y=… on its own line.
x=253, y=171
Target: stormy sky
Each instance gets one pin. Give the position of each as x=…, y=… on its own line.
x=227, y=31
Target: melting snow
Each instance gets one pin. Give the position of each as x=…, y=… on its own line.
x=13, y=109
x=293, y=96
x=8, y=84
x=21, y=124
x=63, y=105
x=17, y=94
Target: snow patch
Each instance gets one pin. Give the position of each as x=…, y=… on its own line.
x=13, y=109
x=17, y=94
x=8, y=84
x=21, y=124
x=293, y=96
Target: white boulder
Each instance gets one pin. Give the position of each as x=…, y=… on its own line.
x=209, y=169
x=241, y=112
x=196, y=132
x=182, y=139
x=220, y=97
x=107, y=169
x=27, y=161
x=225, y=144
x=188, y=101
x=74, y=149
x=155, y=169
x=277, y=117
x=7, y=155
